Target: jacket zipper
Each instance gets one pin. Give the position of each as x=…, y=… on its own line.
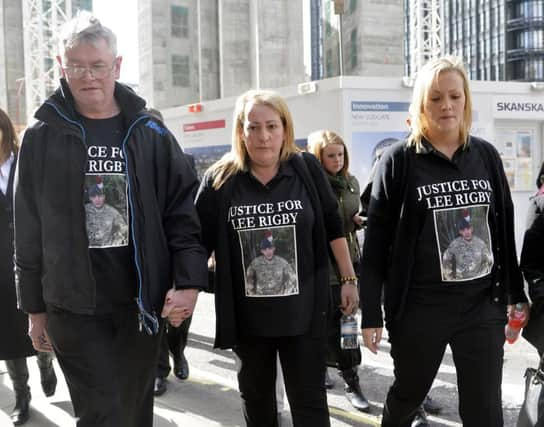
x=147, y=321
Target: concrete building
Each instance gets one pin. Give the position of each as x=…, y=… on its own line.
x=12, y=60
x=192, y=50
x=371, y=34
x=498, y=39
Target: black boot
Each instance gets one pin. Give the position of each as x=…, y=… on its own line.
x=353, y=391
x=47, y=373
x=18, y=372
x=21, y=411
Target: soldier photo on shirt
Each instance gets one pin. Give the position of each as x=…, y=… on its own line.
x=468, y=255
x=106, y=225
x=268, y=273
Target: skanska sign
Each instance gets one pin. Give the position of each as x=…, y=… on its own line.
x=518, y=108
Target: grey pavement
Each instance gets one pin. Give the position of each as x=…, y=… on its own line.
x=210, y=397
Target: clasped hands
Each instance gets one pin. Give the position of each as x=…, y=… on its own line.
x=179, y=305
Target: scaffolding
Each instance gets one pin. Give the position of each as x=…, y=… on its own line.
x=41, y=22
x=425, y=33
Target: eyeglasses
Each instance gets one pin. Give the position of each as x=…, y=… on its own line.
x=97, y=71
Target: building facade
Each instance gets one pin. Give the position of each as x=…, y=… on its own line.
x=12, y=61
x=498, y=39
x=370, y=33
x=196, y=50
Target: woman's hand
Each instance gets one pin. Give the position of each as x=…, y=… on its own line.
x=349, y=295
x=358, y=220
x=525, y=308
x=372, y=338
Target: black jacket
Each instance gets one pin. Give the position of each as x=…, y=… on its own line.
x=52, y=257
x=213, y=206
x=393, y=228
x=13, y=322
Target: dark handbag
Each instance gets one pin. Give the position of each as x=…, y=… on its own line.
x=531, y=413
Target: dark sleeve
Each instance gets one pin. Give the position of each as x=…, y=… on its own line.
x=381, y=223
x=180, y=221
x=516, y=292
x=532, y=258
x=207, y=207
x=536, y=207
x=28, y=248
x=329, y=204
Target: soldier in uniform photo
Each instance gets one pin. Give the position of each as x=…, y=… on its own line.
x=270, y=274
x=105, y=225
x=467, y=256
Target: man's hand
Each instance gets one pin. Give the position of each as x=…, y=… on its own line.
x=372, y=338
x=349, y=295
x=179, y=305
x=37, y=333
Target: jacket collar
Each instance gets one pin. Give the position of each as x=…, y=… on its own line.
x=61, y=105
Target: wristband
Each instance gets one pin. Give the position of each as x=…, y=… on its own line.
x=352, y=280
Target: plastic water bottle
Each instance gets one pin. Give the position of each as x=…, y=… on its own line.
x=515, y=320
x=348, y=332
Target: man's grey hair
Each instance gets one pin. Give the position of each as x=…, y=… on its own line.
x=85, y=27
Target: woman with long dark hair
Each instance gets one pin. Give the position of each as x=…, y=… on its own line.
x=13, y=322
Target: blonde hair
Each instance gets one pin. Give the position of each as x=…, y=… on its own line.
x=318, y=140
x=425, y=78
x=237, y=159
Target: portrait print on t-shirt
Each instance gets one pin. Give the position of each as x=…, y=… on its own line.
x=269, y=259
x=464, y=242
x=106, y=210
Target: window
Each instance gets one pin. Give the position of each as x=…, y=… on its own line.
x=353, y=49
x=180, y=70
x=352, y=6
x=179, y=18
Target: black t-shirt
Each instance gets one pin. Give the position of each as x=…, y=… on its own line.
x=270, y=239
x=107, y=215
x=455, y=197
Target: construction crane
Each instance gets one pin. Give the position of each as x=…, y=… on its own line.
x=41, y=22
x=425, y=33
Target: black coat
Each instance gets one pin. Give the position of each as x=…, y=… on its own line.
x=51, y=241
x=13, y=322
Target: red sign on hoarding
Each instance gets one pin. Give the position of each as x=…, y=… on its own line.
x=212, y=124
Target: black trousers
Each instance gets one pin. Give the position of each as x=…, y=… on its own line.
x=303, y=363
x=474, y=329
x=175, y=341
x=109, y=366
x=337, y=357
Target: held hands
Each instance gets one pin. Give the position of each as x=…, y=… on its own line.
x=37, y=333
x=372, y=338
x=179, y=305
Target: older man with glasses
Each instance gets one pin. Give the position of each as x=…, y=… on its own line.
x=97, y=303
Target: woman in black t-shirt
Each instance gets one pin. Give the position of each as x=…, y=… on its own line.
x=440, y=239
x=269, y=214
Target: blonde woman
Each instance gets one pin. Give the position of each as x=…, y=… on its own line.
x=427, y=192
x=330, y=150
x=262, y=206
